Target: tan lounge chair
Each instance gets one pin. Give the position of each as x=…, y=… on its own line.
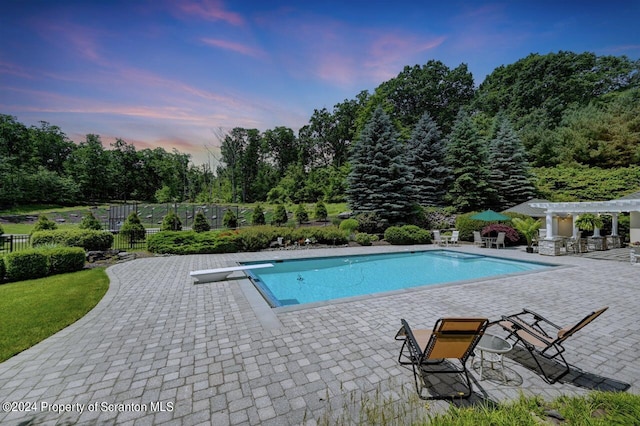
x=445, y=349
x=542, y=338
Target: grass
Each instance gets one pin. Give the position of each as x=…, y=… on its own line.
x=405, y=408
x=31, y=311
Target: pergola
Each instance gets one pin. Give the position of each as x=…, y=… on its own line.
x=574, y=209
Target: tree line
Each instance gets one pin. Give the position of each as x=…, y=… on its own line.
x=544, y=111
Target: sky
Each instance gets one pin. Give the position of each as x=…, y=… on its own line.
x=179, y=73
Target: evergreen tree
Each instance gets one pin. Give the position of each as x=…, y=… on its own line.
x=258, y=216
x=90, y=222
x=301, y=214
x=320, y=212
x=280, y=215
x=380, y=179
x=509, y=168
x=467, y=157
x=200, y=223
x=427, y=156
x=230, y=220
x=171, y=222
x=44, y=224
x=132, y=229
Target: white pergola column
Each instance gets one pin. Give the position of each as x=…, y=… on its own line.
x=614, y=224
x=596, y=230
x=549, y=224
x=574, y=216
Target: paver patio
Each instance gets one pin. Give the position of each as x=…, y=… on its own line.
x=215, y=354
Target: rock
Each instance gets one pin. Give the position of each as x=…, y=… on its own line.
x=345, y=215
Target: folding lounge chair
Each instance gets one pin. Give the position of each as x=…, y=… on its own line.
x=437, y=351
x=542, y=338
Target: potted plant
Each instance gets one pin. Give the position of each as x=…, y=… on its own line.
x=588, y=222
x=528, y=228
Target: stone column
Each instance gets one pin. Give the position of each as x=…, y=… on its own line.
x=574, y=216
x=614, y=224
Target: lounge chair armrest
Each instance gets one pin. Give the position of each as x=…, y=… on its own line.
x=519, y=325
x=537, y=317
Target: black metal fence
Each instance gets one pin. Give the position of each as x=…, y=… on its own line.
x=11, y=243
x=15, y=242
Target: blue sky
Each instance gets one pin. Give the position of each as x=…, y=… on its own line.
x=172, y=73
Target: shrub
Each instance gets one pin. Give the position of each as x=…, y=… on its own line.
x=371, y=223
x=511, y=234
x=255, y=238
x=407, y=234
x=3, y=270
x=320, y=212
x=200, y=223
x=44, y=224
x=466, y=226
x=26, y=265
x=171, y=222
x=365, y=239
x=132, y=229
x=349, y=225
x=258, y=216
x=301, y=214
x=191, y=242
x=1, y=230
x=90, y=222
x=230, y=220
x=280, y=215
x=64, y=259
x=88, y=239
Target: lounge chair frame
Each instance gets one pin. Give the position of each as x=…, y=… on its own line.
x=543, y=338
x=452, y=340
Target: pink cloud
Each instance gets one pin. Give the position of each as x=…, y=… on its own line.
x=210, y=10
x=233, y=46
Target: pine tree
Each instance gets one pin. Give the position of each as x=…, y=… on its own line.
x=467, y=157
x=258, y=216
x=380, y=181
x=200, y=223
x=132, y=229
x=509, y=167
x=171, y=222
x=280, y=215
x=90, y=222
x=427, y=156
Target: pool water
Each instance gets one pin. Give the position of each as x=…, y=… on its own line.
x=297, y=281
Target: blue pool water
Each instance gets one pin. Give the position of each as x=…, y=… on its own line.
x=297, y=281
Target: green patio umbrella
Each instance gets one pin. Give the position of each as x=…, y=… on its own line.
x=490, y=216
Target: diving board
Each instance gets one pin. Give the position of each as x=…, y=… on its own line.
x=219, y=274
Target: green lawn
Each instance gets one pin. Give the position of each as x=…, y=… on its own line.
x=31, y=311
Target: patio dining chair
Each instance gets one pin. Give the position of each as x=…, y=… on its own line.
x=542, y=338
x=499, y=241
x=437, y=238
x=443, y=350
x=455, y=238
x=477, y=239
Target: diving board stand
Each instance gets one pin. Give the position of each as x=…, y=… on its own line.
x=220, y=274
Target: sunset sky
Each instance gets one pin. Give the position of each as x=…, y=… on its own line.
x=171, y=73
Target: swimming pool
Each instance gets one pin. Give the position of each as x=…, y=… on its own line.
x=298, y=281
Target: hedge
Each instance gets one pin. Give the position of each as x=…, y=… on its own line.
x=26, y=265
x=3, y=270
x=88, y=239
x=64, y=259
x=407, y=234
x=248, y=239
